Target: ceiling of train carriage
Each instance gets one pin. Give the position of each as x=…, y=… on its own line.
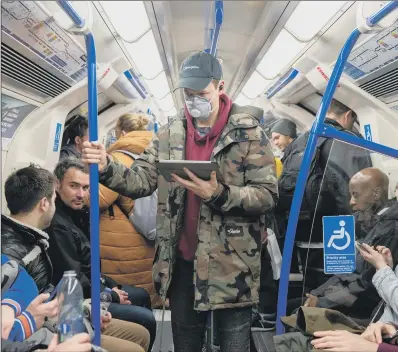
x=240, y=21
x=246, y=27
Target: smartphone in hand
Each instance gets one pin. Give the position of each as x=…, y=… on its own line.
x=360, y=245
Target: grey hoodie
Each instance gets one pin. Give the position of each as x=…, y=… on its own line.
x=386, y=283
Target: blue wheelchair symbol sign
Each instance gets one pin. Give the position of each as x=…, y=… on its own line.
x=339, y=244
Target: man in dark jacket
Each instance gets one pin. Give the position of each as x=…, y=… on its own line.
x=283, y=133
x=74, y=136
x=30, y=196
x=326, y=191
x=70, y=246
x=354, y=294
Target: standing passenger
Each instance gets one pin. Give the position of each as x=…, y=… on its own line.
x=208, y=232
x=123, y=249
x=284, y=132
x=77, y=133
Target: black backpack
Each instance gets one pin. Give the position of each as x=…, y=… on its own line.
x=288, y=179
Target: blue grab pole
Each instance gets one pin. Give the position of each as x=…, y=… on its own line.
x=283, y=84
x=331, y=132
x=383, y=12
x=315, y=132
x=135, y=84
x=94, y=177
x=94, y=189
x=219, y=8
x=70, y=11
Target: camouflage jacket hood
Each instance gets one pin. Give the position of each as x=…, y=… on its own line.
x=227, y=259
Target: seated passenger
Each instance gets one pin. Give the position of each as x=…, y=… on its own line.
x=30, y=196
x=70, y=246
x=353, y=294
x=126, y=256
x=208, y=232
x=23, y=312
x=386, y=283
x=76, y=134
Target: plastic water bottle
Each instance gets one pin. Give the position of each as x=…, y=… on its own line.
x=106, y=300
x=71, y=314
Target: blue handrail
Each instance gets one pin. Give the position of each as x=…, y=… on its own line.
x=135, y=84
x=70, y=11
x=278, y=87
x=383, y=12
x=138, y=81
x=320, y=129
x=94, y=177
x=219, y=9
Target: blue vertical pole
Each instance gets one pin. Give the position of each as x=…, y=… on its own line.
x=94, y=189
x=316, y=131
x=219, y=12
x=94, y=177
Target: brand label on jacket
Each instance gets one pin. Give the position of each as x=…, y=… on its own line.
x=234, y=231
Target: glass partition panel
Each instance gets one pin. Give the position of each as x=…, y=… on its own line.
x=352, y=201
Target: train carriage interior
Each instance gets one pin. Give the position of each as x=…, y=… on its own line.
x=275, y=55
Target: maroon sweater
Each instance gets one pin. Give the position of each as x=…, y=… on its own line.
x=384, y=347
x=199, y=148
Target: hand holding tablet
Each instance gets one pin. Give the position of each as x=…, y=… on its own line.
x=200, y=177
x=201, y=169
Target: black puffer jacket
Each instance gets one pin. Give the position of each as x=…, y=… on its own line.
x=28, y=246
x=70, y=247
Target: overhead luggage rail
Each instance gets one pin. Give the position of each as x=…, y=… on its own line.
x=319, y=129
x=94, y=177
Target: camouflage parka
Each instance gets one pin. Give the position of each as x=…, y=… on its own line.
x=227, y=259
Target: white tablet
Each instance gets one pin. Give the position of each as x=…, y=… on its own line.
x=201, y=169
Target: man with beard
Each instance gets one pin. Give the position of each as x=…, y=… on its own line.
x=70, y=247
x=353, y=294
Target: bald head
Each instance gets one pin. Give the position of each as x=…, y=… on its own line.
x=368, y=188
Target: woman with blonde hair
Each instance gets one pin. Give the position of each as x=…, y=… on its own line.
x=126, y=256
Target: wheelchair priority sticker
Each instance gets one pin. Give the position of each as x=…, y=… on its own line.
x=339, y=244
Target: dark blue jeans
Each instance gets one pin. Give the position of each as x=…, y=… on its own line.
x=138, y=312
x=231, y=326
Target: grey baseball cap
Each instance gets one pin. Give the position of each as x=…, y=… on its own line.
x=198, y=70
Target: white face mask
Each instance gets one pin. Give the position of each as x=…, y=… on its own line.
x=199, y=107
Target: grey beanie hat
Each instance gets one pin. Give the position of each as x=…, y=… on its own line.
x=285, y=127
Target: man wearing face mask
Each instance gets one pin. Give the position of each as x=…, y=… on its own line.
x=354, y=294
x=208, y=232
